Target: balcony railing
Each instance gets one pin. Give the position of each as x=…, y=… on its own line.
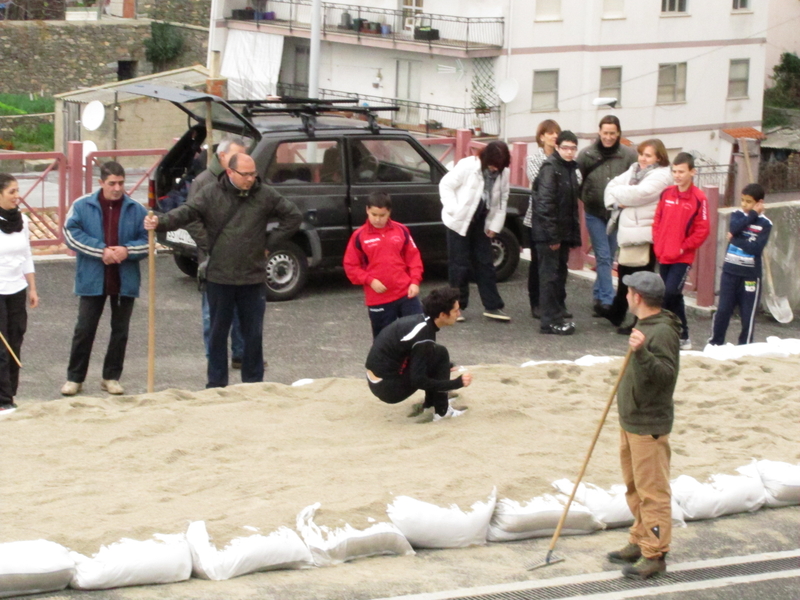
x=397, y=25
x=416, y=116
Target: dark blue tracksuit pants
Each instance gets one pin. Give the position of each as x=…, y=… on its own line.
x=736, y=290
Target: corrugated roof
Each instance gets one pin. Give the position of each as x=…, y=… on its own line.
x=193, y=77
x=745, y=132
x=785, y=138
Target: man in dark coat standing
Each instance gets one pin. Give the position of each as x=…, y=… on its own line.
x=555, y=230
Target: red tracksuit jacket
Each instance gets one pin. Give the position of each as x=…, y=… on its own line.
x=388, y=255
x=680, y=226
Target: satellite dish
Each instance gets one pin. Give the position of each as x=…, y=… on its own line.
x=507, y=90
x=88, y=147
x=93, y=115
x=610, y=102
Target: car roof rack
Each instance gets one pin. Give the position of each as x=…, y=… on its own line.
x=308, y=109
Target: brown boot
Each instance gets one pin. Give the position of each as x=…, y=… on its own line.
x=644, y=568
x=629, y=554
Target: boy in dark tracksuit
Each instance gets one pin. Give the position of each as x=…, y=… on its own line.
x=740, y=284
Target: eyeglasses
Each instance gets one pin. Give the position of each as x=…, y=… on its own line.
x=252, y=174
x=568, y=148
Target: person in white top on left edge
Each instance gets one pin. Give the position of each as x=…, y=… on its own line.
x=17, y=285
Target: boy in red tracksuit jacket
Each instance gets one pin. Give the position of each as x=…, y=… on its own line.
x=680, y=227
x=382, y=256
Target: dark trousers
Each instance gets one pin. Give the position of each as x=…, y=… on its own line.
x=13, y=324
x=674, y=277
x=250, y=301
x=735, y=290
x=382, y=315
x=533, y=276
x=472, y=254
x=619, y=308
x=396, y=389
x=552, y=282
x=90, y=309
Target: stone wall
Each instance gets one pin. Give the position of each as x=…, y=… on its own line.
x=59, y=56
x=192, y=12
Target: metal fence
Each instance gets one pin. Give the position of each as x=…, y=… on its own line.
x=430, y=118
x=721, y=176
x=780, y=176
x=364, y=21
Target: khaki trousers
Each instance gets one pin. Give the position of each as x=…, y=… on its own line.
x=645, y=470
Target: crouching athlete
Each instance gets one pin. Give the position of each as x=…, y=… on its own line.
x=405, y=357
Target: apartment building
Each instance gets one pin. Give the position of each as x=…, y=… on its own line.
x=681, y=70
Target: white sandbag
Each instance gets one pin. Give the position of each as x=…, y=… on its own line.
x=429, y=526
x=282, y=549
x=538, y=518
x=723, y=495
x=34, y=567
x=164, y=559
x=781, y=481
x=610, y=507
x=334, y=546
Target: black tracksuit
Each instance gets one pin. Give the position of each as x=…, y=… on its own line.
x=406, y=357
x=740, y=283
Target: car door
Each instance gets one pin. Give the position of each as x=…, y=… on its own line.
x=402, y=168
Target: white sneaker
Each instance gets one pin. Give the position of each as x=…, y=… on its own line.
x=450, y=414
x=112, y=386
x=686, y=344
x=71, y=388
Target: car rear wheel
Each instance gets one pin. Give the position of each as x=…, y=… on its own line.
x=287, y=272
x=186, y=264
x=505, y=253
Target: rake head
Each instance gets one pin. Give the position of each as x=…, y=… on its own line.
x=550, y=559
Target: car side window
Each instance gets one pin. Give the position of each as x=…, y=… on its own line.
x=306, y=162
x=388, y=161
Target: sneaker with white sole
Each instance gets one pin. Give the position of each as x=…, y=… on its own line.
x=686, y=344
x=460, y=319
x=71, y=388
x=496, y=314
x=112, y=386
x=451, y=413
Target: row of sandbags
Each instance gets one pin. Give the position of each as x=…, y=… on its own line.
x=41, y=566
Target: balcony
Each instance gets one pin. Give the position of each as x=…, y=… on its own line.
x=379, y=28
x=420, y=117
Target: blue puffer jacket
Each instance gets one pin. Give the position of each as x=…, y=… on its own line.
x=83, y=233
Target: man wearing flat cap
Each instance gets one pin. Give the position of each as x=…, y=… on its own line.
x=644, y=400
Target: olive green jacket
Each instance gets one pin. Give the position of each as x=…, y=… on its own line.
x=594, y=185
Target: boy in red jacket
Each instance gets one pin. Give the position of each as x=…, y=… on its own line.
x=679, y=228
x=382, y=256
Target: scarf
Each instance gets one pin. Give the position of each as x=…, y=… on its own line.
x=639, y=173
x=608, y=151
x=10, y=220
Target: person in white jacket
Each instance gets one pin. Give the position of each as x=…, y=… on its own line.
x=633, y=197
x=474, y=196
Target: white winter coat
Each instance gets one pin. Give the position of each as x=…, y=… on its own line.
x=460, y=191
x=635, y=225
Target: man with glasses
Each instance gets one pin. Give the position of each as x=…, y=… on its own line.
x=600, y=163
x=555, y=229
x=235, y=212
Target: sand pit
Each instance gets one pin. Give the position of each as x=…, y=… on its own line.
x=88, y=471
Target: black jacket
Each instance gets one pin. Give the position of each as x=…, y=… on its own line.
x=237, y=256
x=555, y=203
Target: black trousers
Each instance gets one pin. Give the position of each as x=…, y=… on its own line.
x=473, y=254
x=90, y=309
x=736, y=291
x=552, y=282
x=396, y=389
x=533, y=276
x=674, y=277
x=619, y=308
x=13, y=324
x=250, y=302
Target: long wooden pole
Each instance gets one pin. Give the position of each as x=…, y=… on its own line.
x=151, y=310
x=10, y=351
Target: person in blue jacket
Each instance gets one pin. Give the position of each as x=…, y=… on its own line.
x=740, y=283
x=106, y=230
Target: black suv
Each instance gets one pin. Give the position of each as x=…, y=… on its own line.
x=327, y=164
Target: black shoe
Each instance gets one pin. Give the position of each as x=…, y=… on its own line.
x=565, y=314
x=536, y=312
x=627, y=555
x=236, y=363
x=7, y=406
x=497, y=314
x=602, y=310
x=558, y=329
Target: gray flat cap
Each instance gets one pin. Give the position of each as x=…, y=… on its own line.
x=646, y=283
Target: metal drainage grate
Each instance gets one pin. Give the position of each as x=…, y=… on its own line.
x=622, y=584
